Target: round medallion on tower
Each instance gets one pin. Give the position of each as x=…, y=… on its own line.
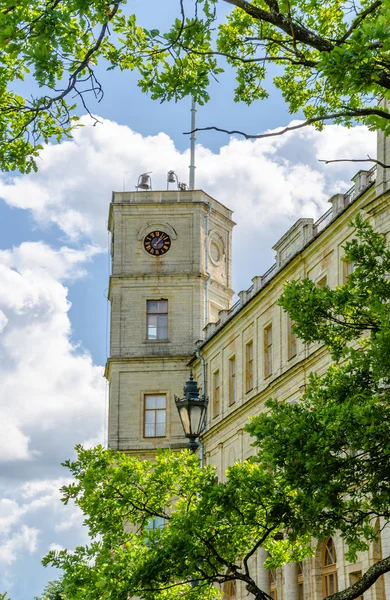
x=157, y=243
x=216, y=249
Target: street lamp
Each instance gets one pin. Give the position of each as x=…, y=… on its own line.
x=192, y=411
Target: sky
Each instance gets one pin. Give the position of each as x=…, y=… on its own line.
x=54, y=269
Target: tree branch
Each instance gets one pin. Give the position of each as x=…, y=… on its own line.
x=209, y=545
x=45, y=103
x=255, y=547
x=358, y=160
x=356, y=22
x=274, y=59
x=364, y=583
x=298, y=31
x=170, y=586
x=349, y=113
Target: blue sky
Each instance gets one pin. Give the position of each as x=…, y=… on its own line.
x=54, y=269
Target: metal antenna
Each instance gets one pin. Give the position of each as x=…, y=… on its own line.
x=193, y=142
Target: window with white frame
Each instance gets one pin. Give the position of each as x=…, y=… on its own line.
x=155, y=415
x=157, y=319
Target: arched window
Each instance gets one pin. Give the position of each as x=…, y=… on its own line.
x=301, y=595
x=272, y=584
x=329, y=569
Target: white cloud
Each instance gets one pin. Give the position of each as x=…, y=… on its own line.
x=46, y=488
x=48, y=388
x=63, y=264
x=10, y=513
x=23, y=541
x=14, y=444
x=269, y=183
x=52, y=396
x=56, y=547
x=72, y=520
x=3, y=321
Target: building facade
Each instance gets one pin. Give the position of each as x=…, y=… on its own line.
x=171, y=307
x=171, y=272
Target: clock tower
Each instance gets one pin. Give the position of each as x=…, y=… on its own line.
x=171, y=274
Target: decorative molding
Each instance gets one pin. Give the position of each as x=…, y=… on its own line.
x=216, y=245
x=156, y=225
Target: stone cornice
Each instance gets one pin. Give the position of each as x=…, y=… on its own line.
x=126, y=360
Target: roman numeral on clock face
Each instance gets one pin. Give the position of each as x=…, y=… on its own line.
x=157, y=243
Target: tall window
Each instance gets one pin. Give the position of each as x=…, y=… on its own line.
x=157, y=319
x=249, y=366
x=354, y=578
x=155, y=415
x=229, y=589
x=232, y=381
x=322, y=282
x=268, y=351
x=329, y=569
x=292, y=340
x=272, y=584
x=348, y=267
x=216, y=394
x=155, y=523
x=300, y=582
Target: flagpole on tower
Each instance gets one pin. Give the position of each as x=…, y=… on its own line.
x=193, y=142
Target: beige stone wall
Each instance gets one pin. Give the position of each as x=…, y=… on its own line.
x=184, y=276
x=129, y=382
x=383, y=155
x=225, y=440
x=322, y=257
x=185, y=315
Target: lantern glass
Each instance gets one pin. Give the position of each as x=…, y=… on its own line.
x=184, y=417
x=196, y=418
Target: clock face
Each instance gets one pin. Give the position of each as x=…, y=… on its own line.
x=157, y=243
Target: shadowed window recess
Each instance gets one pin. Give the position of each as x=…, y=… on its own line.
x=268, y=351
x=232, y=381
x=157, y=319
x=249, y=366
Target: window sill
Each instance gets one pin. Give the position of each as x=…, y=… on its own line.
x=156, y=341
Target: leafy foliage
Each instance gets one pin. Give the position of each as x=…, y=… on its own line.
x=54, y=590
x=211, y=528
x=332, y=60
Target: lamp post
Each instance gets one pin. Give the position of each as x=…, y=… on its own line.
x=192, y=411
